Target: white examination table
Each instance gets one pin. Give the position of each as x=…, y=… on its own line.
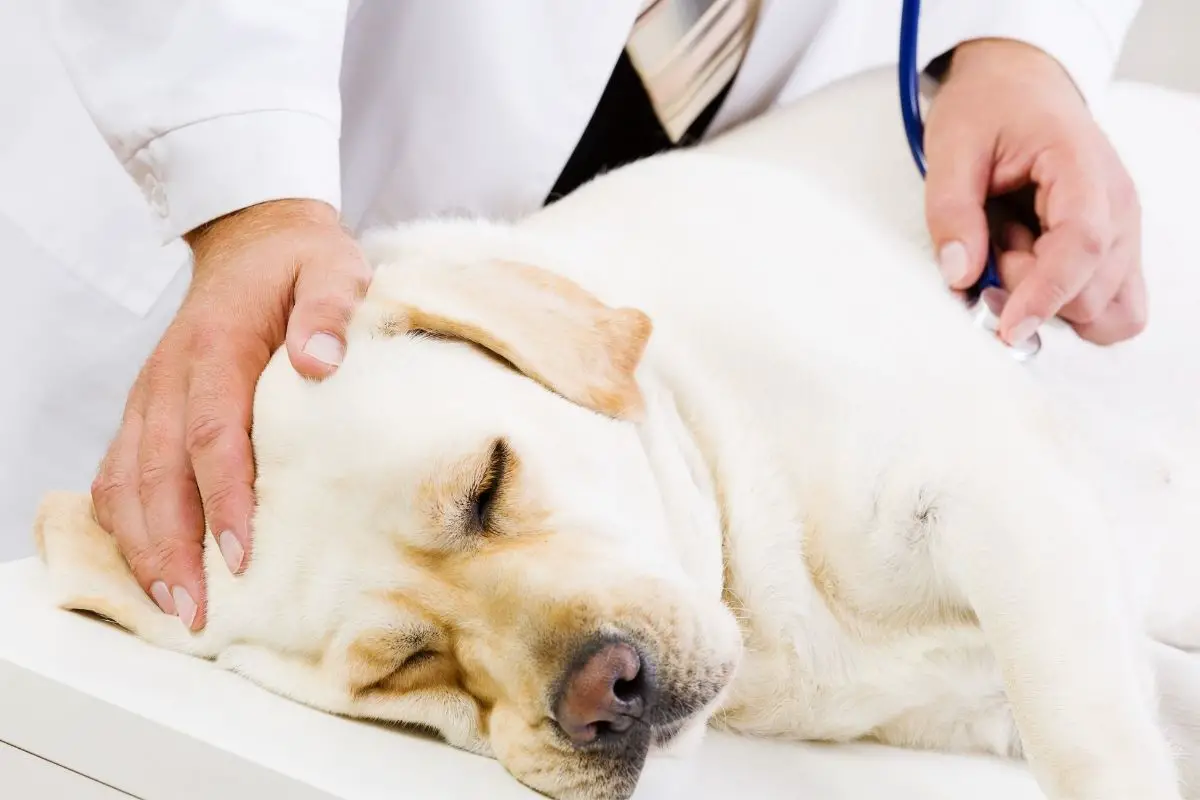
x=89, y=713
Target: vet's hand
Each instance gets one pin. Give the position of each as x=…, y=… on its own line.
x=1008, y=116
x=280, y=271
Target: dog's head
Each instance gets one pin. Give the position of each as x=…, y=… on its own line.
x=461, y=529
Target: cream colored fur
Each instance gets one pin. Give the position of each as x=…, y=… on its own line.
x=826, y=505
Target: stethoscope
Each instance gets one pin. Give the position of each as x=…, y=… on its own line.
x=987, y=297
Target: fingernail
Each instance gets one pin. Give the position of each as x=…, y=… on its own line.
x=326, y=348
x=232, y=551
x=162, y=596
x=1024, y=329
x=952, y=261
x=185, y=606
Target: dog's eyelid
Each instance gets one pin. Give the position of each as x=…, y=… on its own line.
x=417, y=658
x=487, y=488
x=423, y=333
x=414, y=644
x=498, y=459
x=416, y=638
x=392, y=649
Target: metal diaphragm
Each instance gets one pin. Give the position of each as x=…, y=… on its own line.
x=985, y=313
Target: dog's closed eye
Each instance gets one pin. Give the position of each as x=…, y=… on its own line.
x=414, y=647
x=417, y=659
x=470, y=500
x=488, y=488
x=391, y=659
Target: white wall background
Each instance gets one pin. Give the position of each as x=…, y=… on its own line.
x=1164, y=45
x=55, y=171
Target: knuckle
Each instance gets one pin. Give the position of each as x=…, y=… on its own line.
x=104, y=488
x=329, y=308
x=154, y=557
x=1135, y=317
x=1089, y=306
x=203, y=433
x=217, y=498
x=108, y=483
x=153, y=475
x=1135, y=325
x=1052, y=295
x=1090, y=237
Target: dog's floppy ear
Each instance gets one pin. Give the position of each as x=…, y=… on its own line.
x=87, y=572
x=545, y=325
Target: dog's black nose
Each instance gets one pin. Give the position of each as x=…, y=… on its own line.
x=606, y=691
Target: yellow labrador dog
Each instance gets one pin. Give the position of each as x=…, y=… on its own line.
x=702, y=443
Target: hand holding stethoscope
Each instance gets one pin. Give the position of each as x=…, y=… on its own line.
x=1009, y=121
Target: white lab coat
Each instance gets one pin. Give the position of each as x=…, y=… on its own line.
x=388, y=109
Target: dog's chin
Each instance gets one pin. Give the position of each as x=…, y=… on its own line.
x=678, y=738
x=649, y=757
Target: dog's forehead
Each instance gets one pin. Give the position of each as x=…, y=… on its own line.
x=411, y=402
x=397, y=397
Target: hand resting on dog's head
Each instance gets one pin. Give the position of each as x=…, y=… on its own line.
x=442, y=541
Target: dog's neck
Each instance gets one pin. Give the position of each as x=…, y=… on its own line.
x=685, y=482
x=717, y=472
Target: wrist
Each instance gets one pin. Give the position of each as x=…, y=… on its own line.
x=1008, y=58
x=260, y=220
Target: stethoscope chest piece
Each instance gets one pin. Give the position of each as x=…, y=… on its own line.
x=985, y=313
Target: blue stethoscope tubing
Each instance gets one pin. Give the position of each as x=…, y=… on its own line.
x=914, y=127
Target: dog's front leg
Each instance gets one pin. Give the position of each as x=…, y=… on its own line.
x=1033, y=560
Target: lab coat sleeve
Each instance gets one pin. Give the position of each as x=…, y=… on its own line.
x=1084, y=36
x=211, y=105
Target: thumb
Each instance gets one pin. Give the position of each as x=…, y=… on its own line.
x=956, y=187
x=327, y=293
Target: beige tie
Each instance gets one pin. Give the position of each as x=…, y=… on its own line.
x=686, y=52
